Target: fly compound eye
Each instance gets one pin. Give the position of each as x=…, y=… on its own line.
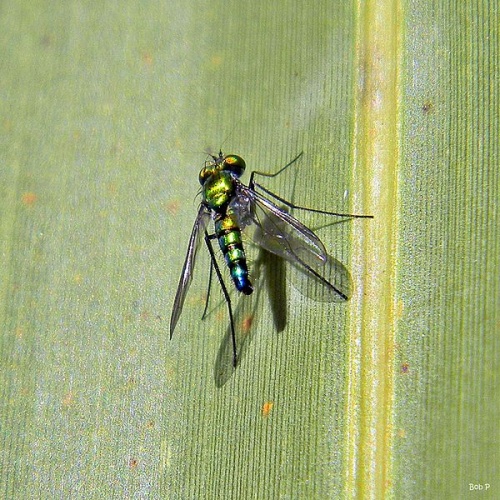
x=203, y=176
x=234, y=164
x=205, y=173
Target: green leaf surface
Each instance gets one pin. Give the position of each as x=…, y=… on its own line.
x=106, y=110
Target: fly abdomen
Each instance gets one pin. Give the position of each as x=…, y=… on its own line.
x=229, y=236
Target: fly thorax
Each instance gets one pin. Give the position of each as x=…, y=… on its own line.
x=218, y=190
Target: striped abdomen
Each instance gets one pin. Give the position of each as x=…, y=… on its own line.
x=229, y=236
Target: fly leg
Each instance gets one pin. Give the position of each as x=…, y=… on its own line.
x=208, y=241
x=203, y=316
x=252, y=185
x=264, y=174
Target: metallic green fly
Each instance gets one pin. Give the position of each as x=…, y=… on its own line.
x=235, y=207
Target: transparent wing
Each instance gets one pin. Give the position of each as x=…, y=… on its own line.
x=187, y=271
x=276, y=230
x=280, y=233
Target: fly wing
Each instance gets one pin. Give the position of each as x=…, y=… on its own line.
x=277, y=231
x=280, y=233
x=187, y=271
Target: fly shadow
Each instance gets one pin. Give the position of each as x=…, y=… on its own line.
x=269, y=270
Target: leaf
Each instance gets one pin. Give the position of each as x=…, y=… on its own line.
x=105, y=114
